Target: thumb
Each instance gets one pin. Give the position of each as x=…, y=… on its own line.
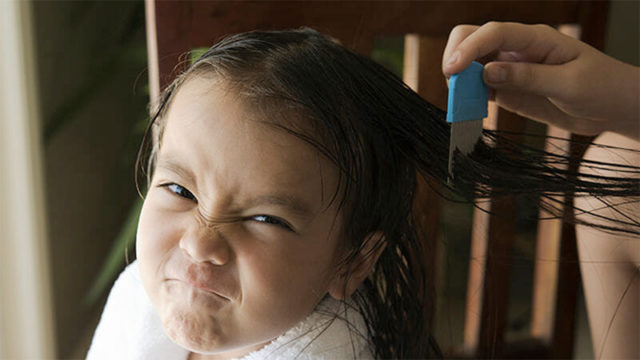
x=537, y=79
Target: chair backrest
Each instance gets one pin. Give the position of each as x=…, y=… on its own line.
x=176, y=27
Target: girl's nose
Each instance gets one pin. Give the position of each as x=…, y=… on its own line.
x=202, y=244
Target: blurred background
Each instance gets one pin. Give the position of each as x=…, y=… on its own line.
x=74, y=105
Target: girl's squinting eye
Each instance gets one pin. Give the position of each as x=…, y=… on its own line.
x=272, y=221
x=180, y=191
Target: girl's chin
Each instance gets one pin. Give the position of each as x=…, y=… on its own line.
x=202, y=335
x=193, y=331
x=229, y=354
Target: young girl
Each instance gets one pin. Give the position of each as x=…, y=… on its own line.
x=278, y=222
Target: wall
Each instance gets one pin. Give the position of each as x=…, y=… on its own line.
x=26, y=322
x=91, y=58
x=623, y=33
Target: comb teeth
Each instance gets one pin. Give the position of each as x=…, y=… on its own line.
x=466, y=107
x=464, y=137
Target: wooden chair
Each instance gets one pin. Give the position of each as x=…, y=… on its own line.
x=174, y=28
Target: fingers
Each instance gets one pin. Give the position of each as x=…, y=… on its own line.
x=533, y=43
x=535, y=79
x=541, y=109
x=457, y=35
x=546, y=75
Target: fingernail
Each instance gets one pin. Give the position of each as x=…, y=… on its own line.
x=453, y=58
x=496, y=74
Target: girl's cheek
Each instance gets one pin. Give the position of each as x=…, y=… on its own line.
x=158, y=230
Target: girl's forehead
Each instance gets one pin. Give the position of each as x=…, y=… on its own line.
x=212, y=131
x=209, y=95
x=209, y=106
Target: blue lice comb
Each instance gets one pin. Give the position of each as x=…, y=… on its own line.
x=467, y=106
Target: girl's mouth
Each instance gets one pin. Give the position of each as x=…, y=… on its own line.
x=204, y=287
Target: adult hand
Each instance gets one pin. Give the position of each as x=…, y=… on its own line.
x=540, y=73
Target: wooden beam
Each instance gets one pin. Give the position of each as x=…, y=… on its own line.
x=422, y=64
x=421, y=72
x=545, y=280
x=152, y=53
x=183, y=25
x=490, y=267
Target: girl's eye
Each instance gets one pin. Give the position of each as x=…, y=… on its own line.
x=271, y=220
x=180, y=191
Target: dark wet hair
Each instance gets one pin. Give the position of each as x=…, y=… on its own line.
x=383, y=138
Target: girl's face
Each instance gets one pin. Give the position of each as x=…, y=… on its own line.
x=236, y=241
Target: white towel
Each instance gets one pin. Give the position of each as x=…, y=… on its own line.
x=131, y=329
x=323, y=335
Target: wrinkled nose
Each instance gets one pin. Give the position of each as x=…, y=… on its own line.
x=205, y=244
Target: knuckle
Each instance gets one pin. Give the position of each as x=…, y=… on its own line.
x=543, y=28
x=528, y=75
x=493, y=26
x=462, y=30
x=523, y=75
x=495, y=29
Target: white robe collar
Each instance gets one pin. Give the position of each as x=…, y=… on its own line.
x=335, y=330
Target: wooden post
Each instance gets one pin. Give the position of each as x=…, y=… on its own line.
x=490, y=266
x=421, y=72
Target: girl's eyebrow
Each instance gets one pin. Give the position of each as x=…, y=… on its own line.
x=175, y=167
x=293, y=204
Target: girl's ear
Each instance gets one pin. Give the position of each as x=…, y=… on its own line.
x=352, y=274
